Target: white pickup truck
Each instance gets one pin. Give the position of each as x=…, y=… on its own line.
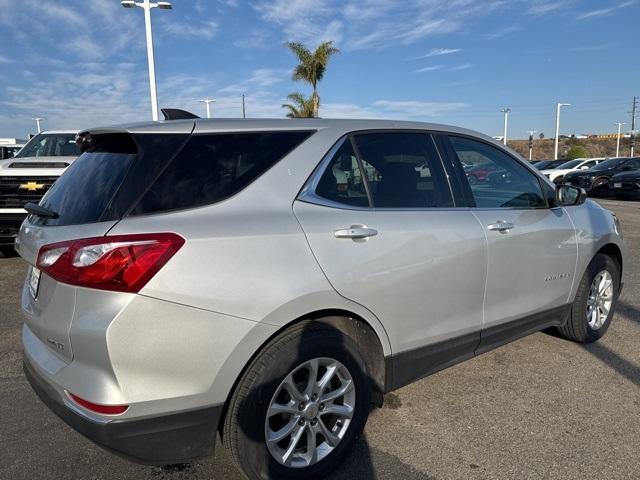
x=27, y=176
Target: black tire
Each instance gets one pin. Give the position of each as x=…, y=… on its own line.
x=8, y=251
x=244, y=424
x=577, y=327
x=473, y=180
x=599, y=188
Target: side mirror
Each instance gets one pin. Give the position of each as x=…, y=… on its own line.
x=567, y=195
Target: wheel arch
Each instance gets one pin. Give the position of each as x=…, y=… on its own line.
x=348, y=323
x=612, y=250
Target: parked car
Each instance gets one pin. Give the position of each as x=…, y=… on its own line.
x=27, y=176
x=547, y=164
x=556, y=175
x=190, y=277
x=10, y=146
x=625, y=185
x=479, y=173
x=596, y=180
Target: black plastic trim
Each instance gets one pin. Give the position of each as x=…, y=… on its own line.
x=159, y=440
x=407, y=367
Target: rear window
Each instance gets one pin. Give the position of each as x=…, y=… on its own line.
x=214, y=167
x=105, y=181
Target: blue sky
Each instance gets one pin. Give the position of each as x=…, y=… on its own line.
x=82, y=63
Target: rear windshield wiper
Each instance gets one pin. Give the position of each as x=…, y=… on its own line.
x=39, y=211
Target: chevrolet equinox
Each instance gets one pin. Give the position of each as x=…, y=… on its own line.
x=270, y=280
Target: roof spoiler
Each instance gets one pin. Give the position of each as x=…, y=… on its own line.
x=177, y=114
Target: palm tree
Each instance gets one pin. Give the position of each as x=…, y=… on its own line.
x=300, y=107
x=311, y=66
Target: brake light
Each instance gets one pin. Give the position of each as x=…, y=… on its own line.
x=96, y=407
x=124, y=263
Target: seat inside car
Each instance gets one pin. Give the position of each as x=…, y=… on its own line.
x=399, y=188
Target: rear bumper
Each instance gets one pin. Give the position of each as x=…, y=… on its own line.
x=157, y=440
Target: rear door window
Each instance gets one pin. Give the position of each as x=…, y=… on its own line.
x=403, y=170
x=214, y=167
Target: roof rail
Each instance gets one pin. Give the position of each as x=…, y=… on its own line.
x=177, y=114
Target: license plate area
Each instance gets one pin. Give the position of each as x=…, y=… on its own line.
x=617, y=185
x=34, y=282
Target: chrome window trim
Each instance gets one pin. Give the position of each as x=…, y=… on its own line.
x=308, y=192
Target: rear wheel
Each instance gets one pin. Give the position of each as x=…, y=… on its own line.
x=299, y=406
x=599, y=187
x=595, y=301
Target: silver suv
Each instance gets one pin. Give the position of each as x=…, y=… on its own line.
x=271, y=279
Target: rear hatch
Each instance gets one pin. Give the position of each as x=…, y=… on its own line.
x=92, y=195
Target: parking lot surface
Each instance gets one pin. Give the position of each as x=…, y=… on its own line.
x=540, y=407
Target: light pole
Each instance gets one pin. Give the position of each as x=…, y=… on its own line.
x=618, y=138
x=38, y=120
x=531, y=132
x=244, y=112
x=506, y=123
x=146, y=5
x=559, y=106
x=208, y=102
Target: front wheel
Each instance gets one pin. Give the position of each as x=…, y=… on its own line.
x=299, y=406
x=595, y=301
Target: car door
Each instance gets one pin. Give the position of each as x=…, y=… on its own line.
x=383, y=227
x=532, y=248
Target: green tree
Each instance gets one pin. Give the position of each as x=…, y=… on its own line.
x=541, y=136
x=300, y=107
x=577, y=151
x=312, y=66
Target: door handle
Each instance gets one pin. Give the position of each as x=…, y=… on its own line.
x=501, y=226
x=355, y=232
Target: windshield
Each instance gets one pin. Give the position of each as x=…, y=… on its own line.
x=51, y=145
x=612, y=163
x=571, y=164
x=541, y=164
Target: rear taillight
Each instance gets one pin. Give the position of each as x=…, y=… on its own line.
x=98, y=408
x=124, y=263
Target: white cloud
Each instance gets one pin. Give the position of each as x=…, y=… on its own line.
x=605, y=11
x=367, y=24
x=256, y=38
x=464, y=66
x=437, y=52
x=388, y=109
x=544, y=7
x=503, y=32
x=431, y=68
x=199, y=30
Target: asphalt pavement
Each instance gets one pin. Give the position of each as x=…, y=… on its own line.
x=540, y=407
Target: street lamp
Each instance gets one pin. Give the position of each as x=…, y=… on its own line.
x=559, y=106
x=531, y=132
x=506, y=123
x=618, y=137
x=146, y=5
x=38, y=120
x=208, y=102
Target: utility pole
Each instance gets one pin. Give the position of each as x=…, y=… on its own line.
x=146, y=5
x=633, y=124
x=531, y=132
x=506, y=123
x=38, y=120
x=244, y=112
x=618, y=138
x=559, y=106
x=208, y=102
